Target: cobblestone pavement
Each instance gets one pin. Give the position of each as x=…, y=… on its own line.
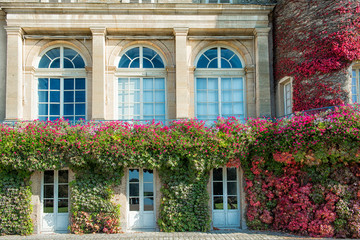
x=220, y=234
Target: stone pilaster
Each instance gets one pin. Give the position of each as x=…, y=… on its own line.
x=182, y=81
x=98, y=73
x=263, y=97
x=14, y=74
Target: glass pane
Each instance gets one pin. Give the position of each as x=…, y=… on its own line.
x=238, y=96
x=69, y=53
x=148, y=204
x=218, y=203
x=231, y=188
x=148, y=83
x=148, y=96
x=218, y=188
x=201, y=96
x=237, y=83
x=201, y=83
x=225, y=64
x=148, y=189
x=213, y=63
x=159, y=96
x=226, y=108
x=211, y=53
x=201, y=109
x=134, y=189
x=203, y=62
x=212, y=96
x=68, y=63
x=148, y=109
x=43, y=118
x=68, y=109
x=235, y=62
x=55, y=109
x=43, y=109
x=160, y=109
x=48, y=206
x=213, y=83
x=55, y=63
x=158, y=62
x=135, y=63
x=54, y=84
x=238, y=108
x=124, y=62
x=213, y=109
x=80, y=96
x=68, y=84
x=49, y=177
x=63, y=191
x=159, y=83
x=69, y=118
x=148, y=53
x=147, y=63
x=148, y=175
x=48, y=191
x=54, y=96
x=63, y=176
x=226, y=96
x=79, y=62
x=226, y=53
x=226, y=83
x=43, y=96
x=53, y=53
x=69, y=96
x=80, y=117
x=133, y=53
x=44, y=62
x=63, y=205
x=132, y=97
x=134, y=204
x=232, y=202
x=43, y=83
x=217, y=174
x=79, y=109
x=133, y=175
x=80, y=83
x=231, y=173
x=134, y=83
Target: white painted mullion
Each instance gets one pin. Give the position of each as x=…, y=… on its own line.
x=141, y=98
x=141, y=56
x=141, y=192
x=219, y=96
x=219, y=57
x=48, y=103
x=56, y=191
x=62, y=97
x=61, y=57
x=225, y=195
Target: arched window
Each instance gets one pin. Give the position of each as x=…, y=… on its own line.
x=219, y=84
x=141, y=97
x=61, y=85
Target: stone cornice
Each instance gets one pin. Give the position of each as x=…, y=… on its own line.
x=143, y=8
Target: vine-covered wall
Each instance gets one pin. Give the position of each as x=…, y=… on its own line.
x=315, y=43
x=302, y=174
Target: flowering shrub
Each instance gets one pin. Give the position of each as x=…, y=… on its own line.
x=302, y=174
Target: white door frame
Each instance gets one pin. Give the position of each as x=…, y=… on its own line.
x=141, y=198
x=55, y=204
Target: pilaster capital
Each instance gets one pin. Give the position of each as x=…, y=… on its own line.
x=181, y=31
x=261, y=32
x=99, y=31
x=14, y=30
x=170, y=69
x=249, y=69
x=110, y=69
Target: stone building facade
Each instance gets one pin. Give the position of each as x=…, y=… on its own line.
x=110, y=60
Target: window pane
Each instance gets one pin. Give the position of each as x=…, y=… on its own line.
x=159, y=109
x=79, y=109
x=159, y=83
x=54, y=96
x=213, y=83
x=53, y=53
x=135, y=63
x=232, y=202
x=55, y=109
x=158, y=62
x=148, y=189
x=148, y=96
x=212, y=96
x=69, y=84
x=55, y=63
x=226, y=84
x=49, y=177
x=68, y=63
x=148, y=204
x=134, y=204
x=213, y=109
x=211, y=53
x=134, y=189
x=213, y=63
x=133, y=175
x=203, y=62
x=226, y=108
x=63, y=191
x=218, y=188
x=80, y=83
x=43, y=83
x=80, y=96
x=159, y=96
x=79, y=62
x=201, y=109
x=69, y=53
x=63, y=205
x=148, y=175
x=201, y=96
x=235, y=62
x=54, y=84
x=238, y=96
x=225, y=64
x=201, y=83
x=69, y=96
x=148, y=83
x=43, y=109
x=148, y=109
x=226, y=53
x=218, y=203
x=231, y=173
x=237, y=83
x=63, y=176
x=134, y=83
x=147, y=63
x=217, y=174
x=133, y=53
x=49, y=191
x=44, y=62
x=68, y=109
x=124, y=62
x=231, y=188
x=48, y=206
x=226, y=96
x=43, y=96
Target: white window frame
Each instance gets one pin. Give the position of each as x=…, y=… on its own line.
x=60, y=73
x=355, y=67
x=281, y=95
x=219, y=2
x=139, y=73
